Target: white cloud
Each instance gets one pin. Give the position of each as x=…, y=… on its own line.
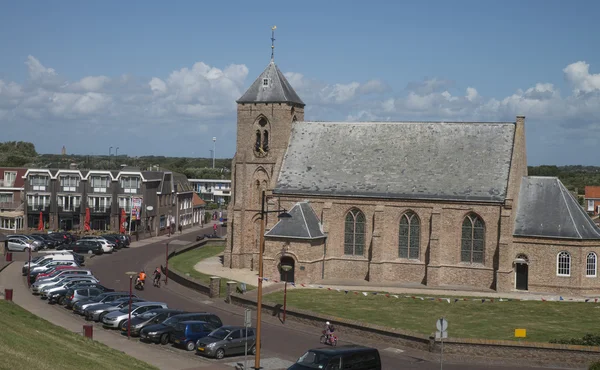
x=37, y=70
x=91, y=83
x=578, y=74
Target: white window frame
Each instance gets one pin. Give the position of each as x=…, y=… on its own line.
x=563, y=264
x=74, y=201
x=130, y=184
x=13, y=175
x=102, y=202
x=39, y=182
x=265, y=82
x=591, y=265
x=11, y=196
x=125, y=202
x=40, y=200
x=590, y=205
x=100, y=183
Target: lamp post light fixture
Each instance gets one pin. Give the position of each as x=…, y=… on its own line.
x=131, y=275
x=214, y=149
x=282, y=214
x=286, y=268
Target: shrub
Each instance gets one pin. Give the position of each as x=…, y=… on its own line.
x=595, y=366
x=587, y=340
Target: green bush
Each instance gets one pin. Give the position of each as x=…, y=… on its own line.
x=595, y=366
x=587, y=340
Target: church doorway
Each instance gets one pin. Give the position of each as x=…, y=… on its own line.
x=286, y=269
x=522, y=272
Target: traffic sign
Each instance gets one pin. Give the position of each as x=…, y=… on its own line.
x=441, y=325
x=247, y=318
x=441, y=334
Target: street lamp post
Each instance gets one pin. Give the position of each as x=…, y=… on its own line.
x=131, y=275
x=214, y=149
x=167, y=265
x=110, y=151
x=282, y=214
x=286, y=268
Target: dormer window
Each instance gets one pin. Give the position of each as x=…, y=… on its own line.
x=69, y=183
x=265, y=82
x=39, y=182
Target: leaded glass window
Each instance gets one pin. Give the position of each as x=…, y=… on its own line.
x=472, y=239
x=409, y=236
x=354, y=233
x=563, y=264
x=590, y=267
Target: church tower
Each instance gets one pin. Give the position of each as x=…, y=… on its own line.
x=265, y=115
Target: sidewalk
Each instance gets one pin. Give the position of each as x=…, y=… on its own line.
x=163, y=358
x=166, y=238
x=213, y=266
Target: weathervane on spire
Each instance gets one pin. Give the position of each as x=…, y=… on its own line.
x=273, y=42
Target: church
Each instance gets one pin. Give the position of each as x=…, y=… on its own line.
x=436, y=204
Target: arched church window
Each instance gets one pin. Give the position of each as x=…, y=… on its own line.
x=472, y=240
x=354, y=233
x=265, y=142
x=262, y=122
x=409, y=236
x=258, y=141
x=591, y=268
x=563, y=264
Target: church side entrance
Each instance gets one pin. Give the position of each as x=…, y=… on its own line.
x=522, y=273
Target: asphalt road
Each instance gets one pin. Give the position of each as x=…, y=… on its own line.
x=286, y=342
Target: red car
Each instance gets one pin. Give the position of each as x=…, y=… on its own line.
x=57, y=268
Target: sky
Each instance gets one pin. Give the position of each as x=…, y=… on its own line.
x=161, y=78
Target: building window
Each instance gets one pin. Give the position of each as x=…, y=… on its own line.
x=590, y=204
x=265, y=82
x=9, y=178
x=258, y=141
x=6, y=198
x=99, y=183
x=472, y=240
x=265, y=145
x=69, y=183
x=163, y=222
x=69, y=203
x=409, y=232
x=354, y=233
x=100, y=204
x=38, y=182
x=590, y=266
x=563, y=264
x=37, y=201
x=125, y=203
x=130, y=184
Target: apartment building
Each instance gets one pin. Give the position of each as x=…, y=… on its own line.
x=11, y=204
x=147, y=201
x=210, y=190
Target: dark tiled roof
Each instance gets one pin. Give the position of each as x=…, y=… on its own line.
x=406, y=160
x=153, y=175
x=183, y=185
x=304, y=224
x=278, y=90
x=547, y=209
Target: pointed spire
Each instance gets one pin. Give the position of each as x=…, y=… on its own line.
x=273, y=43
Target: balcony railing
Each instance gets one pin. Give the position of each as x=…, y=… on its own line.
x=36, y=208
x=69, y=209
x=100, y=209
x=7, y=184
x=10, y=206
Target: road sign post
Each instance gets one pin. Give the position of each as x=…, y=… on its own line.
x=441, y=333
x=247, y=325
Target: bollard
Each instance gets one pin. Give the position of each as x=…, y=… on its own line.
x=8, y=257
x=88, y=331
x=231, y=288
x=214, y=287
x=8, y=294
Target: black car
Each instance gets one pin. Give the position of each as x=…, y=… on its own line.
x=151, y=317
x=125, y=239
x=59, y=296
x=85, y=246
x=344, y=357
x=107, y=297
x=161, y=333
x=52, y=243
x=45, y=244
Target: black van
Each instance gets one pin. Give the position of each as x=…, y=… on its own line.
x=350, y=356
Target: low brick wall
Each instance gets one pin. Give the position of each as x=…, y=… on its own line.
x=188, y=281
x=539, y=353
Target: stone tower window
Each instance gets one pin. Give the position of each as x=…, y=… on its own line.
x=265, y=142
x=472, y=240
x=354, y=233
x=258, y=141
x=261, y=143
x=409, y=236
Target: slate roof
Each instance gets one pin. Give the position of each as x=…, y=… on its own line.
x=183, y=185
x=279, y=89
x=547, y=209
x=153, y=175
x=406, y=160
x=304, y=224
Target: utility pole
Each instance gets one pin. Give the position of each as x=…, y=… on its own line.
x=214, y=149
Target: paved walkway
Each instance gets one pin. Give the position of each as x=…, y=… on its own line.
x=166, y=237
x=213, y=266
x=163, y=358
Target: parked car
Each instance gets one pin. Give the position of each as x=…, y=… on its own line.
x=60, y=296
x=86, y=246
x=148, y=318
x=97, y=312
x=44, y=244
x=107, y=246
x=107, y=297
x=27, y=238
x=78, y=294
x=35, y=277
x=160, y=333
x=67, y=283
x=126, y=239
x=63, y=271
x=64, y=255
x=50, y=267
x=116, y=241
x=21, y=245
x=343, y=357
x=227, y=340
x=60, y=238
x=186, y=333
x=44, y=285
x=115, y=319
x=52, y=243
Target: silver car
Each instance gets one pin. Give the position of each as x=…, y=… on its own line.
x=39, y=285
x=21, y=245
x=48, y=290
x=115, y=319
x=96, y=312
x=108, y=297
x=230, y=340
x=31, y=240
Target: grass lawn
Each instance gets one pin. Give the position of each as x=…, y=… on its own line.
x=466, y=319
x=186, y=261
x=29, y=342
